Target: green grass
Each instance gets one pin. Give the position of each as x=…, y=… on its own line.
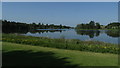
x=70, y=44
x=27, y=55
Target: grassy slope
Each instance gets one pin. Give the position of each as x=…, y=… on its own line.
x=17, y=54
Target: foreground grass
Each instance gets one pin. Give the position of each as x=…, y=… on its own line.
x=27, y=55
x=70, y=44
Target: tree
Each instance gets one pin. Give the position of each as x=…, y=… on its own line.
x=92, y=24
x=97, y=26
x=47, y=26
x=60, y=26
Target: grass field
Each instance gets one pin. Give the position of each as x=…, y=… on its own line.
x=27, y=55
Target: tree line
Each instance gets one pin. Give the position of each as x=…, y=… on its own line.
x=114, y=25
x=96, y=25
x=12, y=26
x=9, y=26
x=90, y=25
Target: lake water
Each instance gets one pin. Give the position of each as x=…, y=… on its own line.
x=109, y=36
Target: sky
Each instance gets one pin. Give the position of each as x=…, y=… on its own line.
x=65, y=13
x=0, y=10
x=60, y=0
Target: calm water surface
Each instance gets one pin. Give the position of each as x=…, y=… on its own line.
x=109, y=36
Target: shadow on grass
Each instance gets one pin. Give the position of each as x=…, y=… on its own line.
x=34, y=59
x=30, y=59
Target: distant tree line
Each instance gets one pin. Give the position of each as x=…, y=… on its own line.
x=114, y=25
x=9, y=26
x=93, y=25
x=90, y=25
x=12, y=26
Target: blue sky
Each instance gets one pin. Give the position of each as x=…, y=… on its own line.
x=66, y=13
x=0, y=10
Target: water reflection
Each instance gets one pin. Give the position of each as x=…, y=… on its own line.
x=32, y=31
x=45, y=31
x=113, y=33
x=15, y=31
x=90, y=33
x=96, y=33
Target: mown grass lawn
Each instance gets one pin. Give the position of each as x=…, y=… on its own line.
x=45, y=57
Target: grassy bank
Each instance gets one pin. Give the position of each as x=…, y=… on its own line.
x=70, y=44
x=27, y=55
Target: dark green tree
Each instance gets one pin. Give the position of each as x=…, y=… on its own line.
x=97, y=26
x=92, y=24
